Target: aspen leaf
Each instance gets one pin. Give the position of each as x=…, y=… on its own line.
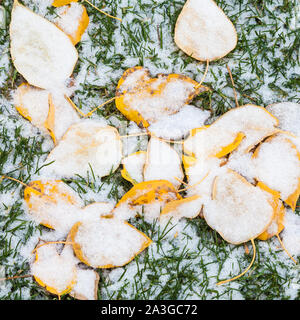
x=277, y=165
x=238, y=211
x=107, y=242
x=238, y=129
x=73, y=21
x=188, y=207
x=145, y=100
x=146, y=198
x=162, y=163
x=277, y=224
x=52, y=271
x=51, y=113
x=52, y=203
x=87, y=144
x=42, y=53
x=203, y=31
x=60, y=3
x=133, y=167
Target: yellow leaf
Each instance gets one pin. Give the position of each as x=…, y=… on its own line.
x=125, y=242
x=133, y=166
x=279, y=213
x=50, y=61
x=43, y=197
x=148, y=191
x=60, y=3
x=276, y=143
x=203, y=31
x=82, y=23
x=54, y=284
x=232, y=146
x=136, y=91
x=50, y=122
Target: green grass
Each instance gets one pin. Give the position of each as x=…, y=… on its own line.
x=265, y=69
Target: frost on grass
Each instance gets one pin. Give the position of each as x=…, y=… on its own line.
x=264, y=67
x=290, y=234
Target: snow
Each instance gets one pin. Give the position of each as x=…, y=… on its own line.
x=100, y=73
x=243, y=164
x=178, y=125
x=291, y=233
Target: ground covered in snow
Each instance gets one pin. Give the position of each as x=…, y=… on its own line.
x=265, y=68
